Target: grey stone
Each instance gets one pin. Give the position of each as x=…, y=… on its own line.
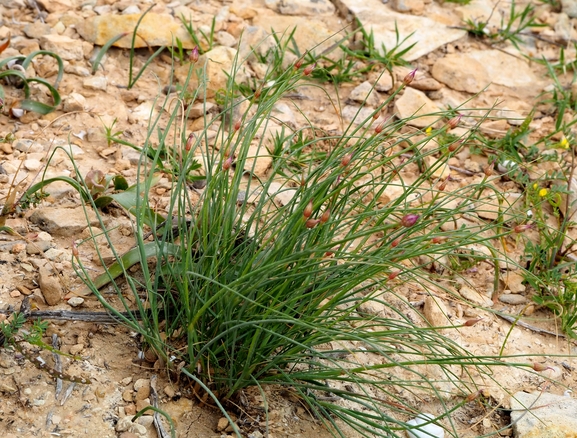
x=512, y=299
x=357, y=114
x=543, y=415
x=570, y=7
x=302, y=7
x=381, y=19
x=365, y=94
x=75, y=301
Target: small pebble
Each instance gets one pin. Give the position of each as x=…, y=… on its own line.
x=75, y=301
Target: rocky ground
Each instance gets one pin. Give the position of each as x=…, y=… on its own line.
x=453, y=68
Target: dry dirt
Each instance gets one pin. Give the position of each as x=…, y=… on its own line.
x=29, y=403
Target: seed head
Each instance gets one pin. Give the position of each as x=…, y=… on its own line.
x=409, y=77
x=194, y=54
x=409, y=220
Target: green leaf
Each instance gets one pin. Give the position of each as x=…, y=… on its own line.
x=120, y=183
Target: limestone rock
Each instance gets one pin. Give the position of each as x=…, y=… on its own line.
x=439, y=170
x=365, y=94
x=74, y=102
x=67, y=48
x=452, y=71
x=416, y=104
x=512, y=299
x=556, y=415
x=302, y=7
x=50, y=287
x=435, y=311
x=509, y=205
x=63, y=221
x=426, y=84
x=414, y=6
x=154, y=30
x=219, y=62
x=382, y=81
x=570, y=7
x=258, y=161
x=357, y=114
x=381, y=20
x=475, y=297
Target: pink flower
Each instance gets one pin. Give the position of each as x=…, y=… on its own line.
x=409, y=220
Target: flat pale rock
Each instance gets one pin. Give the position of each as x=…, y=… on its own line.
x=63, y=221
x=435, y=311
x=543, y=415
x=50, y=287
x=154, y=30
x=416, y=105
x=461, y=75
x=302, y=7
x=381, y=19
x=365, y=94
x=68, y=48
x=218, y=64
x=475, y=297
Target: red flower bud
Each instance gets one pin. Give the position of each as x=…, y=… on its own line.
x=396, y=242
x=488, y=170
x=326, y=215
x=443, y=184
x=454, y=146
x=409, y=78
x=308, y=210
x=237, y=125
x=380, y=127
x=394, y=275
x=309, y=69
x=454, y=122
x=300, y=61
x=193, y=55
x=75, y=252
x=311, y=223
x=409, y=220
x=438, y=239
x=257, y=92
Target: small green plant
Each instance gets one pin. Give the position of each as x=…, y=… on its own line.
x=110, y=133
x=14, y=336
x=204, y=42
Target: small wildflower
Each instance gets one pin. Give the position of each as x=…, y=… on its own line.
x=308, y=210
x=543, y=192
x=535, y=186
x=309, y=69
x=429, y=130
x=193, y=55
x=564, y=143
x=454, y=122
x=311, y=223
x=189, y=142
x=410, y=77
x=326, y=215
x=409, y=220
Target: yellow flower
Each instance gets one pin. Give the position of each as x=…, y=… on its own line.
x=429, y=130
x=543, y=192
x=535, y=186
x=564, y=143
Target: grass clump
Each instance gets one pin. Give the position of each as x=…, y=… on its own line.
x=270, y=281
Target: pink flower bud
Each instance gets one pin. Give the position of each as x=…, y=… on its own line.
x=308, y=210
x=189, y=142
x=471, y=322
x=227, y=163
x=454, y=122
x=409, y=78
x=311, y=223
x=75, y=252
x=326, y=215
x=394, y=275
x=521, y=228
x=346, y=160
x=193, y=55
x=380, y=127
x=409, y=220
x=540, y=367
x=309, y=69
x=237, y=125
x=300, y=61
